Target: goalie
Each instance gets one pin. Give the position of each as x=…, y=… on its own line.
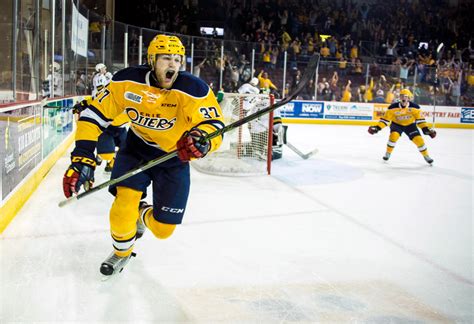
x=259, y=127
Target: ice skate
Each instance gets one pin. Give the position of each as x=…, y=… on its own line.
x=143, y=208
x=114, y=264
x=386, y=156
x=429, y=160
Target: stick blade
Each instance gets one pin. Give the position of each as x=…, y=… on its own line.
x=65, y=202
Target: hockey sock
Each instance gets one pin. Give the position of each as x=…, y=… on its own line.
x=160, y=230
x=392, y=141
x=420, y=143
x=123, y=219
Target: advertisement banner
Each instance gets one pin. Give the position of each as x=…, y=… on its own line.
x=467, y=115
x=349, y=111
x=442, y=114
x=20, y=145
x=79, y=30
x=379, y=110
x=57, y=125
x=303, y=109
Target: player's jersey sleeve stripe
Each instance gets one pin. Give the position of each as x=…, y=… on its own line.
x=386, y=122
x=93, y=121
x=99, y=113
x=94, y=115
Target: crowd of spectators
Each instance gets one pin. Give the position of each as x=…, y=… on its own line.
x=390, y=44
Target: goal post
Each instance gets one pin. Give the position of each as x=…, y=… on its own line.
x=246, y=150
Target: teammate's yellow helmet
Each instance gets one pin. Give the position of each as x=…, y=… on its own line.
x=406, y=92
x=164, y=44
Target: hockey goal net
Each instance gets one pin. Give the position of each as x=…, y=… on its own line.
x=246, y=150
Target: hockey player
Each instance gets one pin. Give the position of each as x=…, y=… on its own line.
x=111, y=138
x=404, y=117
x=169, y=110
x=100, y=79
x=53, y=85
x=250, y=87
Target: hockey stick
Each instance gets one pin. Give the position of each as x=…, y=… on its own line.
x=308, y=74
x=301, y=154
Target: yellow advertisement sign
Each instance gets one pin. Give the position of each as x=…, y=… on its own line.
x=379, y=110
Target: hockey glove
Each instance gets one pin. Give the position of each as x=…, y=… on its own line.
x=80, y=172
x=374, y=129
x=429, y=131
x=189, y=145
x=79, y=107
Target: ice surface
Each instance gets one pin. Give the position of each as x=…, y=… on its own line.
x=340, y=237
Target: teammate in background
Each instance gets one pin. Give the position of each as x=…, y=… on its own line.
x=111, y=138
x=404, y=117
x=169, y=110
x=259, y=127
x=101, y=79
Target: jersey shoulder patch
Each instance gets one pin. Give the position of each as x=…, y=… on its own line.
x=134, y=74
x=413, y=105
x=191, y=85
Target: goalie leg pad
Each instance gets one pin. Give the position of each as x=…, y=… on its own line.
x=123, y=219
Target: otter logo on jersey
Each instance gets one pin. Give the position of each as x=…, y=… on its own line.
x=133, y=97
x=150, y=122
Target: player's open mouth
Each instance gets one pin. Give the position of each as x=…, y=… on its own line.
x=169, y=75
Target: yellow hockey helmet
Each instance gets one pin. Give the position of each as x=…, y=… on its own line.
x=406, y=92
x=164, y=44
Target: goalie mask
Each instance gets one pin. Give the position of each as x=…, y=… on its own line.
x=164, y=44
x=254, y=82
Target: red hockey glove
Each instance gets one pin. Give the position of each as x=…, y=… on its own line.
x=80, y=172
x=374, y=129
x=429, y=131
x=79, y=107
x=189, y=145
